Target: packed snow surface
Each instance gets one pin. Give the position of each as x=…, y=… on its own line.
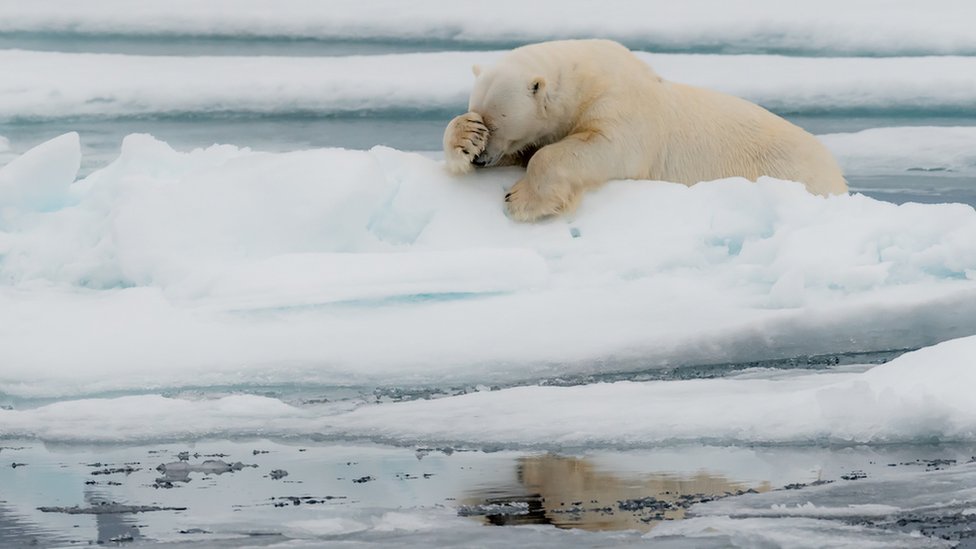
x=44, y=85
x=830, y=26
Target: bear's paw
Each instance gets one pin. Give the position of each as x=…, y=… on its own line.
x=464, y=139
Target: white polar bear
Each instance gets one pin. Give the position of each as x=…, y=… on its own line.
x=577, y=113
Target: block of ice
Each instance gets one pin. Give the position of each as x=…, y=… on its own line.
x=38, y=180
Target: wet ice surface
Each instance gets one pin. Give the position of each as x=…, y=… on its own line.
x=907, y=496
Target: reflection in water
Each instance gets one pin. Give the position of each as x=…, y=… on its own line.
x=112, y=527
x=570, y=492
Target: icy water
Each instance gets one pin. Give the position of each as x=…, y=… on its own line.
x=263, y=493
x=288, y=455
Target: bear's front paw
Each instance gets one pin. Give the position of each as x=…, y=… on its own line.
x=464, y=139
x=525, y=204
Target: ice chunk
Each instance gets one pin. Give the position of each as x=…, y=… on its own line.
x=38, y=180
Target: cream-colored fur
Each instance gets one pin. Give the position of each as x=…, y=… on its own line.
x=578, y=113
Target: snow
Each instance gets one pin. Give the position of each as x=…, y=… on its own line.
x=831, y=27
x=4, y=144
x=219, y=265
x=46, y=85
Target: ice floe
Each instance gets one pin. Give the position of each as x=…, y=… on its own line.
x=899, y=150
x=180, y=296
x=832, y=27
x=923, y=395
x=342, y=267
x=46, y=85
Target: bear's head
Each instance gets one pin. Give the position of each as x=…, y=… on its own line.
x=514, y=105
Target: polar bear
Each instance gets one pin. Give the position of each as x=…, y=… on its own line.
x=577, y=113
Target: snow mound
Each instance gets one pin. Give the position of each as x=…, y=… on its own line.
x=45, y=85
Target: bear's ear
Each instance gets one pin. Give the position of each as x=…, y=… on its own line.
x=538, y=85
x=476, y=70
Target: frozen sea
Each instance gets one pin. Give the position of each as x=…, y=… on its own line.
x=243, y=304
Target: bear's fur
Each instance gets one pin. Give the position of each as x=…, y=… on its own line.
x=577, y=113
